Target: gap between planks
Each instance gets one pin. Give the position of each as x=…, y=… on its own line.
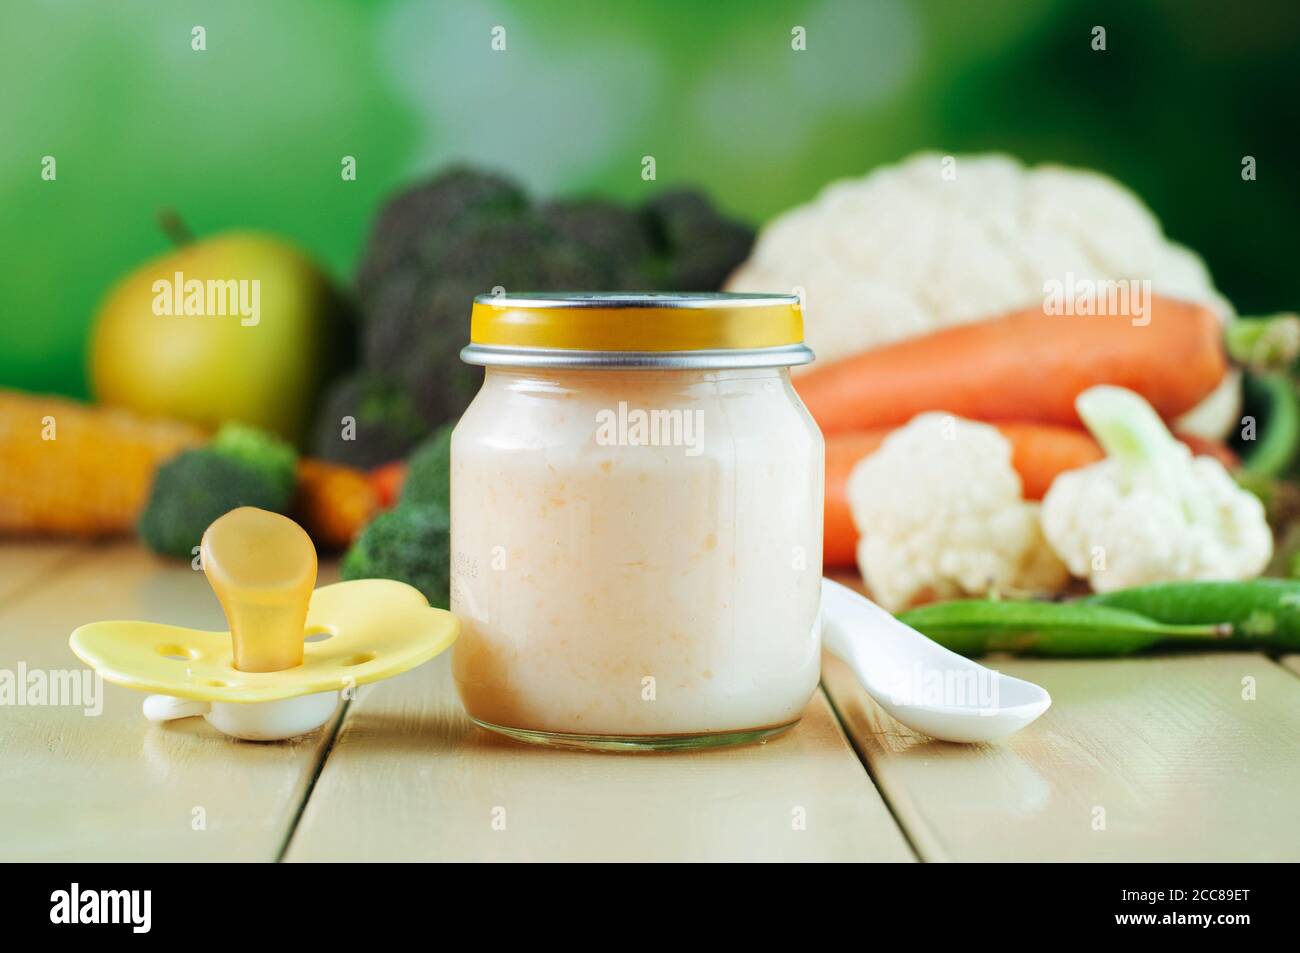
x=410, y=777
x=1159, y=743
x=1148, y=758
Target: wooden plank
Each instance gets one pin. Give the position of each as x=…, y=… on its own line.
x=411, y=778
x=76, y=787
x=1183, y=766
x=24, y=563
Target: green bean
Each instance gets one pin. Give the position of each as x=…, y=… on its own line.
x=977, y=626
x=1261, y=613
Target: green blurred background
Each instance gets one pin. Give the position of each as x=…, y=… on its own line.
x=251, y=132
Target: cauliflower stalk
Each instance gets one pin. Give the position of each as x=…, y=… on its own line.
x=1150, y=511
x=941, y=514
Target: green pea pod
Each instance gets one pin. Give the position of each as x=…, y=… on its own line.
x=1275, y=437
x=1075, y=629
x=1262, y=613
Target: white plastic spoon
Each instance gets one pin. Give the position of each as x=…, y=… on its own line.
x=920, y=683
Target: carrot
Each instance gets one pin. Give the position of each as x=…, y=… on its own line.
x=1039, y=452
x=1024, y=366
x=839, y=535
x=1042, y=452
x=333, y=502
x=387, y=481
x=1202, y=447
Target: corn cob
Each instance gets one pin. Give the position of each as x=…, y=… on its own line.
x=71, y=469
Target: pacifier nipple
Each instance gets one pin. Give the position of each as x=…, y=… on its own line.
x=262, y=566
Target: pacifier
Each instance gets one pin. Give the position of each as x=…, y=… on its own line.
x=290, y=650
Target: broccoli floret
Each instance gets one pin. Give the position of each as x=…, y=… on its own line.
x=417, y=216
x=410, y=543
x=240, y=466
x=519, y=254
x=418, y=274
x=420, y=346
x=260, y=451
x=699, y=247
x=614, y=236
x=197, y=486
x=428, y=473
x=437, y=245
x=387, y=424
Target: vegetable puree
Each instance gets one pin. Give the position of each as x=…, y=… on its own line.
x=614, y=576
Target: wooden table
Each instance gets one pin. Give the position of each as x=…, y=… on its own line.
x=1156, y=758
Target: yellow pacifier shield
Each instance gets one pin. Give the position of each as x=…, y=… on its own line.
x=360, y=631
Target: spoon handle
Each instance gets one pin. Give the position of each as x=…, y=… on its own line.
x=866, y=637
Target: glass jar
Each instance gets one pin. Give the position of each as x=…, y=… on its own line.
x=636, y=496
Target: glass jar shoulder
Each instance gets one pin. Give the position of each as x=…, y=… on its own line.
x=705, y=413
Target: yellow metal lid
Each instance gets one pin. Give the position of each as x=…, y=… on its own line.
x=637, y=330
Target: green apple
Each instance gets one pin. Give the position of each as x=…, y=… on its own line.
x=239, y=326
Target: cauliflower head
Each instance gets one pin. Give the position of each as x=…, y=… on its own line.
x=1150, y=512
x=912, y=248
x=941, y=514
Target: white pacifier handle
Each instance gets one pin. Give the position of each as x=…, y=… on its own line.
x=251, y=721
x=169, y=707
